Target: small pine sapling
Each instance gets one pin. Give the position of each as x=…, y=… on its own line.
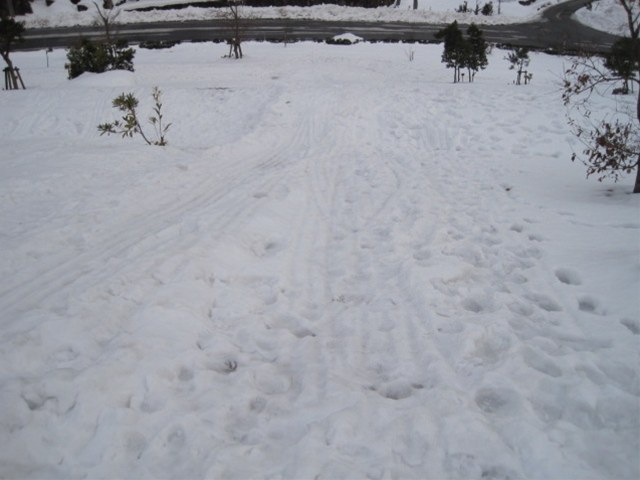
x=454, y=52
x=475, y=57
x=519, y=59
x=130, y=124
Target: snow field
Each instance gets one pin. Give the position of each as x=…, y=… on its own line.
x=343, y=265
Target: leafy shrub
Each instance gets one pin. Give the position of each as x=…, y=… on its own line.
x=99, y=57
x=157, y=44
x=127, y=103
x=338, y=41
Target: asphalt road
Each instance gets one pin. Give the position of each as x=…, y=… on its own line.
x=556, y=31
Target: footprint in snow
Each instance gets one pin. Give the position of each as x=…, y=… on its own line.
x=396, y=390
x=267, y=248
x=544, y=302
x=568, y=276
x=451, y=327
x=498, y=401
x=589, y=304
x=270, y=381
x=296, y=326
x=520, y=308
x=466, y=465
x=632, y=325
x=421, y=255
x=540, y=362
x=176, y=438
x=477, y=305
x=185, y=374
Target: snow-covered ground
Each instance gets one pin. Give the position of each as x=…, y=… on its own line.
x=64, y=13
x=342, y=266
x=607, y=16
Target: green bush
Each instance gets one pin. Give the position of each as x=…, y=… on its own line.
x=99, y=57
x=129, y=125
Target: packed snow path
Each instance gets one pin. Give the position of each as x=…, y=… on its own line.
x=343, y=266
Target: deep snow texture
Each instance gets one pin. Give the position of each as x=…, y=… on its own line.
x=342, y=266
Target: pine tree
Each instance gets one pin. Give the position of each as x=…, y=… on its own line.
x=454, y=48
x=519, y=59
x=476, y=51
x=624, y=60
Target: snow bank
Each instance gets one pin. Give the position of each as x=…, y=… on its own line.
x=63, y=13
x=116, y=78
x=605, y=15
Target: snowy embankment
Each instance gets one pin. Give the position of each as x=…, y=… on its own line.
x=63, y=13
x=607, y=16
x=342, y=266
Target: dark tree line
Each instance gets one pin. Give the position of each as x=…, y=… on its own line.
x=10, y=33
x=12, y=8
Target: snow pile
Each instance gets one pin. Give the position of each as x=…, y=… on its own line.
x=605, y=15
x=63, y=13
x=342, y=266
x=347, y=38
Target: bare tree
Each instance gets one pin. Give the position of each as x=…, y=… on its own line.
x=632, y=11
x=611, y=141
x=235, y=16
x=107, y=17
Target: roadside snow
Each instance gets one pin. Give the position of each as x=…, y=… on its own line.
x=63, y=13
x=342, y=266
x=348, y=37
x=605, y=15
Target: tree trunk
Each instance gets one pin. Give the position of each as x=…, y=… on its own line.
x=12, y=72
x=636, y=187
x=10, y=10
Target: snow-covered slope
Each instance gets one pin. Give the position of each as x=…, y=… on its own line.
x=342, y=266
x=606, y=15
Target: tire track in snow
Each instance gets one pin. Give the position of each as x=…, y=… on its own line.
x=144, y=231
